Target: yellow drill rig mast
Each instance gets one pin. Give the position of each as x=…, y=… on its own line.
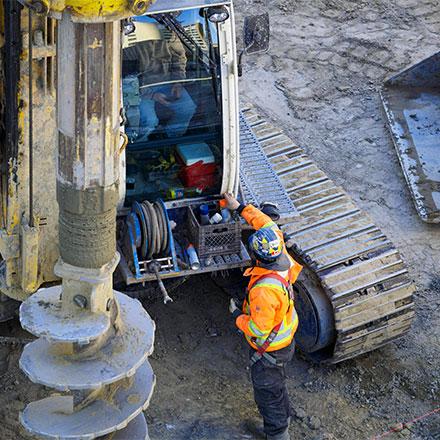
x=93, y=342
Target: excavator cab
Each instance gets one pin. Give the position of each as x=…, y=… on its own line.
x=172, y=101
x=181, y=120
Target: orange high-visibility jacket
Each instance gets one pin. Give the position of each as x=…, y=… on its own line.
x=267, y=303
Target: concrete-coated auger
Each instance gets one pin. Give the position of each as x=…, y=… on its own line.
x=93, y=342
x=98, y=361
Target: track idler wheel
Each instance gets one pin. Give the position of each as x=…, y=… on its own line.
x=316, y=330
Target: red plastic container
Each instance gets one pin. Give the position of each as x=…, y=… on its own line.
x=199, y=175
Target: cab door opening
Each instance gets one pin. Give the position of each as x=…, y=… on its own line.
x=173, y=108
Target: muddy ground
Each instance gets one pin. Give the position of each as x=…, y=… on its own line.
x=320, y=83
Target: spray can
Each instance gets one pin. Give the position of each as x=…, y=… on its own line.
x=176, y=193
x=194, y=262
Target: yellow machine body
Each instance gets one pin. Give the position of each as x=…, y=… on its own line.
x=91, y=11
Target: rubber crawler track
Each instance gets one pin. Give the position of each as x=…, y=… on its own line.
x=358, y=267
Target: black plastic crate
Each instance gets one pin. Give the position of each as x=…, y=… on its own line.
x=219, y=239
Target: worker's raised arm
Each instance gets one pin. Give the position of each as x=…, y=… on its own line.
x=252, y=215
x=256, y=218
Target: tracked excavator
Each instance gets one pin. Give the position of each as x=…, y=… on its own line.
x=120, y=130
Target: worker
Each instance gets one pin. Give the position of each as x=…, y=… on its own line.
x=268, y=318
x=161, y=69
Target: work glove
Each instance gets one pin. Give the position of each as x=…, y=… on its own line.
x=233, y=309
x=271, y=209
x=232, y=202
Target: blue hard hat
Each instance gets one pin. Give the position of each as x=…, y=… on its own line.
x=265, y=244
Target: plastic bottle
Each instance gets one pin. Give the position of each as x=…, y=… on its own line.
x=194, y=262
x=226, y=215
x=215, y=219
x=204, y=215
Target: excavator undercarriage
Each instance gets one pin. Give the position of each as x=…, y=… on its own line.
x=349, y=261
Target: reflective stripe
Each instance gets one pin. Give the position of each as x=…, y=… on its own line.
x=256, y=331
x=273, y=283
x=268, y=284
x=276, y=284
x=269, y=225
x=284, y=334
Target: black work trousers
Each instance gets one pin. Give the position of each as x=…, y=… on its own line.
x=270, y=392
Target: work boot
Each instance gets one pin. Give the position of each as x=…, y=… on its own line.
x=283, y=436
x=256, y=429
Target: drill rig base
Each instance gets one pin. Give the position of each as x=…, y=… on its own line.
x=367, y=285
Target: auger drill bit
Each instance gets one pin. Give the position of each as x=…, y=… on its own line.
x=93, y=342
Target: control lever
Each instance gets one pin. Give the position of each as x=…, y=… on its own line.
x=154, y=267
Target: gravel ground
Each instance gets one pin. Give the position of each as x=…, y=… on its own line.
x=320, y=83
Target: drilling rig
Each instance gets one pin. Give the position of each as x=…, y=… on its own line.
x=132, y=188
x=93, y=342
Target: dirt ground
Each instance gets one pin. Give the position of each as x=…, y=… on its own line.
x=320, y=83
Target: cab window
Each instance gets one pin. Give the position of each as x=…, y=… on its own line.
x=172, y=105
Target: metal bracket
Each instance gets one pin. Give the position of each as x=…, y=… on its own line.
x=9, y=245
x=29, y=237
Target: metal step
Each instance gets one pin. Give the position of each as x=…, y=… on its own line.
x=258, y=180
x=361, y=272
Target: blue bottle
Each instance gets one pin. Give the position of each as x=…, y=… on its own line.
x=194, y=262
x=204, y=215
